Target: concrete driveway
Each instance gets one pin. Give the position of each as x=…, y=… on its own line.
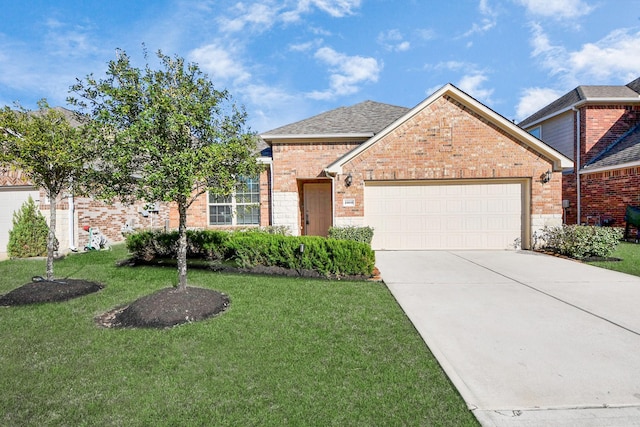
x=527, y=339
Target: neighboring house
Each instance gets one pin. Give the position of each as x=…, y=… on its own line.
x=598, y=127
x=74, y=213
x=448, y=174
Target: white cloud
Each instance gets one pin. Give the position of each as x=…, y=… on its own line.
x=488, y=20
x=69, y=41
x=256, y=16
x=534, y=99
x=614, y=55
x=473, y=85
x=557, y=9
x=393, y=40
x=347, y=73
x=305, y=47
x=599, y=62
x=264, y=14
x=335, y=8
x=219, y=62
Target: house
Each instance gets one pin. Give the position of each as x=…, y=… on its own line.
x=598, y=127
x=449, y=173
x=73, y=213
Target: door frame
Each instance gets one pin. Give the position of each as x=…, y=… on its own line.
x=302, y=198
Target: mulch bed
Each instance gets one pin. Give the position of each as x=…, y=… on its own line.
x=42, y=291
x=163, y=309
x=166, y=308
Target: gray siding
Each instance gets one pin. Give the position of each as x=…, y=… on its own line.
x=558, y=133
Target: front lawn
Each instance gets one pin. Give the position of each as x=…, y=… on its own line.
x=288, y=351
x=630, y=255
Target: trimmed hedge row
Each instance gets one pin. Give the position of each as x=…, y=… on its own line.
x=253, y=248
x=581, y=241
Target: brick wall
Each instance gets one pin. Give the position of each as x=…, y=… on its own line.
x=448, y=141
x=601, y=125
x=569, y=192
x=609, y=193
x=110, y=218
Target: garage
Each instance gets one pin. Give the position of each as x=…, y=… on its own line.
x=11, y=199
x=423, y=215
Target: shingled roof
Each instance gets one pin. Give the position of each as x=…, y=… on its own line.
x=367, y=117
x=625, y=149
x=585, y=93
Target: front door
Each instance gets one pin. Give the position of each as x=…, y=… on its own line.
x=317, y=208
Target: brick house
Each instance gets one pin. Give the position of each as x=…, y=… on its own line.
x=598, y=127
x=448, y=174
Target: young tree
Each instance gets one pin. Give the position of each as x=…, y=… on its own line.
x=48, y=150
x=165, y=135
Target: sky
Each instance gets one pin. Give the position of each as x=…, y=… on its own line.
x=288, y=60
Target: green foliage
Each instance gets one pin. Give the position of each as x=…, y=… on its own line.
x=581, y=241
x=28, y=237
x=50, y=152
x=357, y=234
x=329, y=257
x=165, y=135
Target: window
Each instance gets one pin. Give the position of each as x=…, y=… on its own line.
x=240, y=208
x=536, y=131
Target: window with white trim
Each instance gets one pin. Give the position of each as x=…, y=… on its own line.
x=240, y=208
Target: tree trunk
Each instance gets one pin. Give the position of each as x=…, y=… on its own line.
x=182, y=247
x=51, y=238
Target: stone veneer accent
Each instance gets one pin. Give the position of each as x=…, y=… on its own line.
x=286, y=211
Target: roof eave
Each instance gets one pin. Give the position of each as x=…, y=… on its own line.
x=580, y=104
x=284, y=138
x=633, y=164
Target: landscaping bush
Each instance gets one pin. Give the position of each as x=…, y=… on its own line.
x=28, y=237
x=247, y=249
x=150, y=244
x=357, y=234
x=581, y=241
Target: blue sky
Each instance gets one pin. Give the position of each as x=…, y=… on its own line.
x=288, y=60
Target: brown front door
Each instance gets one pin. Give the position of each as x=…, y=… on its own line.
x=317, y=208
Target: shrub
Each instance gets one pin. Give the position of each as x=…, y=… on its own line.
x=357, y=234
x=581, y=241
x=28, y=237
x=256, y=247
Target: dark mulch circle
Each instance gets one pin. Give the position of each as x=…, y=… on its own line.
x=166, y=308
x=49, y=291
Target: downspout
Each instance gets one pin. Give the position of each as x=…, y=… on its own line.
x=271, y=193
x=578, y=165
x=332, y=175
x=71, y=219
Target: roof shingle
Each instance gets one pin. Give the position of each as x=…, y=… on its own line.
x=365, y=117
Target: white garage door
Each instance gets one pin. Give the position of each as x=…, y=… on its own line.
x=11, y=199
x=444, y=216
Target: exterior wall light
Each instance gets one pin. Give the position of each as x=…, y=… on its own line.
x=546, y=177
x=348, y=180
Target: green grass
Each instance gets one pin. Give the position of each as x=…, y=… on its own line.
x=287, y=352
x=630, y=255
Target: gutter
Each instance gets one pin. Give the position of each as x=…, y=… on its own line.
x=581, y=103
x=578, y=167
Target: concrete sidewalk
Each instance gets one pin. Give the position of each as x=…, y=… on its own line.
x=527, y=339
